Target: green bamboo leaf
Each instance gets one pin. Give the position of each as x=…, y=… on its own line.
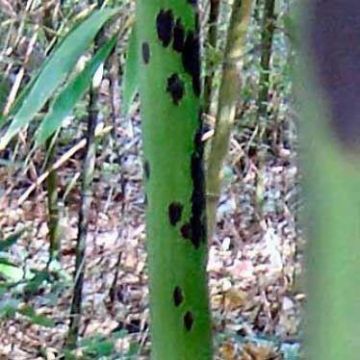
x=34, y=76
x=21, y=97
x=8, y=307
x=4, y=91
x=10, y=240
x=130, y=83
x=56, y=69
x=10, y=272
x=36, y=318
x=98, y=346
x=73, y=91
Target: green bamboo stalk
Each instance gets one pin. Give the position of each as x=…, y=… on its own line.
x=329, y=84
x=50, y=147
x=228, y=97
x=170, y=90
x=52, y=202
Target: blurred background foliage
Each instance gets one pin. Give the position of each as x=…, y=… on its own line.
x=260, y=198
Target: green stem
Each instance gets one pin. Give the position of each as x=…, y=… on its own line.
x=170, y=90
x=52, y=196
x=228, y=97
x=329, y=84
x=50, y=146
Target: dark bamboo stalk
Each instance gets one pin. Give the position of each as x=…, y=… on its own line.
x=52, y=203
x=84, y=211
x=211, y=43
x=85, y=206
x=267, y=34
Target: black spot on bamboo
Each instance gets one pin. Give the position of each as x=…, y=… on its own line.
x=145, y=200
x=145, y=49
x=198, y=201
x=178, y=296
x=191, y=60
x=198, y=139
x=186, y=231
x=197, y=22
x=195, y=229
x=147, y=169
x=175, y=210
x=188, y=320
x=164, y=26
x=179, y=36
x=198, y=232
x=192, y=2
x=196, y=83
x=175, y=87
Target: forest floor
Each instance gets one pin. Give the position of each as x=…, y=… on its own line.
x=254, y=259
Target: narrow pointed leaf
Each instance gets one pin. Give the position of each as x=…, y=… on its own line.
x=34, y=76
x=73, y=91
x=4, y=90
x=10, y=240
x=21, y=97
x=56, y=69
x=11, y=272
x=36, y=318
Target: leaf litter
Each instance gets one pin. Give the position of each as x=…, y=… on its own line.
x=253, y=260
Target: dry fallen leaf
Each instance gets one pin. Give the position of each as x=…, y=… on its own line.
x=227, y=351
x=235, y=298
x=242, y=269
x=254, y=352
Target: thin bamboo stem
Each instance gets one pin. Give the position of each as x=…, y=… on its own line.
x=228, y=97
